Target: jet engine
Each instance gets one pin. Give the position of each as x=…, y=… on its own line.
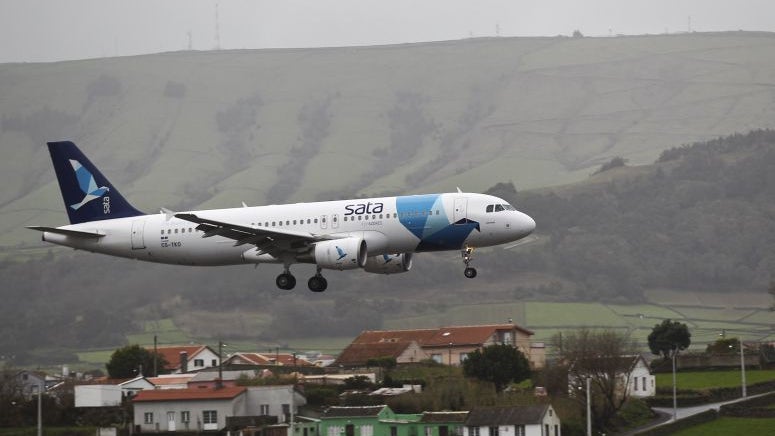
x=347, y=253
x=389, y=263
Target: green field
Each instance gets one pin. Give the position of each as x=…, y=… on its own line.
x=698, y=380
x=726, y=426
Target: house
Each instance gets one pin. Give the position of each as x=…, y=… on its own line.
x=109, y=392
x=206, y=409
x=281, y=359
x=185, y=358
x=536, y=420
x=209, y=379
x=30, y=381
x=382, y=421
x=446, y=345
x=632, y=373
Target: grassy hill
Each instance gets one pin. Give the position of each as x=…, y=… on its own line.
x=187, y=130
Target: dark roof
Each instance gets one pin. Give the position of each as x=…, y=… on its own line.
x=353, y=412
x=514, y=415
x=443, y=417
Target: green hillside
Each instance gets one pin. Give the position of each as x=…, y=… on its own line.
x=210, y=129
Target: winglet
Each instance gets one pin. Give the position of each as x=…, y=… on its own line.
x=168, y=214
x=458, y=190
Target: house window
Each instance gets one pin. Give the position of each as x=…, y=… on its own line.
x=199, y=362
x=148, y=417
x=463, y=357
x=635, y=380
x=494, y=431
x=286, y=409
x=185, y=416
x=367, y=430
x=393, y=430
x=546, y=428
x=436, y=358
x=428, y=431
x=643, y=383
x=214, y=362
x=473, y=431
x=556, y=430
x=264, y=409
x=519, y=430
x=209, y=417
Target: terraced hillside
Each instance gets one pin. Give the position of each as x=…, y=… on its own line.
x=210, y=129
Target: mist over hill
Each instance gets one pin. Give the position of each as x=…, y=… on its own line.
x=527, y=118
x=190, y=130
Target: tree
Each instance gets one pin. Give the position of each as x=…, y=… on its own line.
x=603, y=356
x=724, y=346
x=668, y=338
x=499, y=364
x=131, y=361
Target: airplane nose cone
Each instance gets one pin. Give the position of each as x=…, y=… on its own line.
x=525, y=225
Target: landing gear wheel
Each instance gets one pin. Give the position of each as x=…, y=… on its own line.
x=467, y=253
x=317, y=283
x=286, y=281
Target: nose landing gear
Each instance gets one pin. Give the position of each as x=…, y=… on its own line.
x=467, y=253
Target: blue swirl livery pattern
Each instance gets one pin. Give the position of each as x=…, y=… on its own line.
x=417, y=214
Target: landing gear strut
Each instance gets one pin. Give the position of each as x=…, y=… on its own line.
x=286, y=280
x=317, y=283
x=467, y=253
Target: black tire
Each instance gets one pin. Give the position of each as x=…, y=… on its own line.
x=317, y=284
x=286, y=281
x=470, y=272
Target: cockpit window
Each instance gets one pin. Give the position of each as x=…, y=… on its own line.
x=498, y=208
x=508, y=207
x=489, y=208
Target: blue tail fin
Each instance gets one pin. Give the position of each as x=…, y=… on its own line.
x=88, y=195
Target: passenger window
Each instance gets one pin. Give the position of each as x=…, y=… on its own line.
x=316, y=220
x=437, y=212
x=322, y=220
x=294, y=222
x=395, y=215
x=280, y=223
x=307, y=220
x=274, y=223
x=334, y=219
x=380, y=216
x=169, y=231
x=162, y=232
x=498, y=208
x=360, y=217
x=489, y=208
x=373, y=217
x=176, y=230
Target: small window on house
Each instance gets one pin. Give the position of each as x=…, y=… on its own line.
x=473, y=431
x=393, y=430
x=199, y=362
x=263, y=409
x=494, y=430
x=286, y=409
x=148, y=417
x=214, y=362
x=185, y=416
x=210, y=417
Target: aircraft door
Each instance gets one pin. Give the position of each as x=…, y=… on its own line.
x=323, y=223
x=335, y=221
x=138, y=240
x=460, y=209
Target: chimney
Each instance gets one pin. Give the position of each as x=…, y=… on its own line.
x=183, y=362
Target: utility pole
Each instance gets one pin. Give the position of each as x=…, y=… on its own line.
x=589, y=408
x=742, y=367
x=675, y=400
x=40, y=410
x=155, y=357
x=219, y=384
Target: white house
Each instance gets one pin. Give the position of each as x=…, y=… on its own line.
x=205, y=409
x=641, y=382
x=632, y=372
x=182, y=359
x=537, y=420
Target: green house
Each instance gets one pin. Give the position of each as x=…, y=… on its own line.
x=382, y=421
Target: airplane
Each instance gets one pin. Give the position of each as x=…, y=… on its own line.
x=377, y=235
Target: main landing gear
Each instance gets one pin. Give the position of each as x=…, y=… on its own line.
x=469, y=272
x=286, y=281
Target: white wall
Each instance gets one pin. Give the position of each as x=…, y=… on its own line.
x=97, y=395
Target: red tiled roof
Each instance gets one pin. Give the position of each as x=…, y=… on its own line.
x=269, y=359
x=359, y=354
x=225, y=393
x=378, y=336
x=469, y=335
x=172, y=354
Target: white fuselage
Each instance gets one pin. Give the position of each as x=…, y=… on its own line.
x=404, y=224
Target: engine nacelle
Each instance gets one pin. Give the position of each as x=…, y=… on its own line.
x=347, y=253
x=389, y=263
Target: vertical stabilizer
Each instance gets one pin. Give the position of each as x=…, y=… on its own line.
x=88, y=195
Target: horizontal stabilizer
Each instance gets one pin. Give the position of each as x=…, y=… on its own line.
x=66, y=232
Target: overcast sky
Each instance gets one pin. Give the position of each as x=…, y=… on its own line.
x=51, y=30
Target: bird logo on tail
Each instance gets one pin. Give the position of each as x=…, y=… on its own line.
x=87, y=184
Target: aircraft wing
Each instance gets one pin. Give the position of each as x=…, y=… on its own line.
x=265, y=239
